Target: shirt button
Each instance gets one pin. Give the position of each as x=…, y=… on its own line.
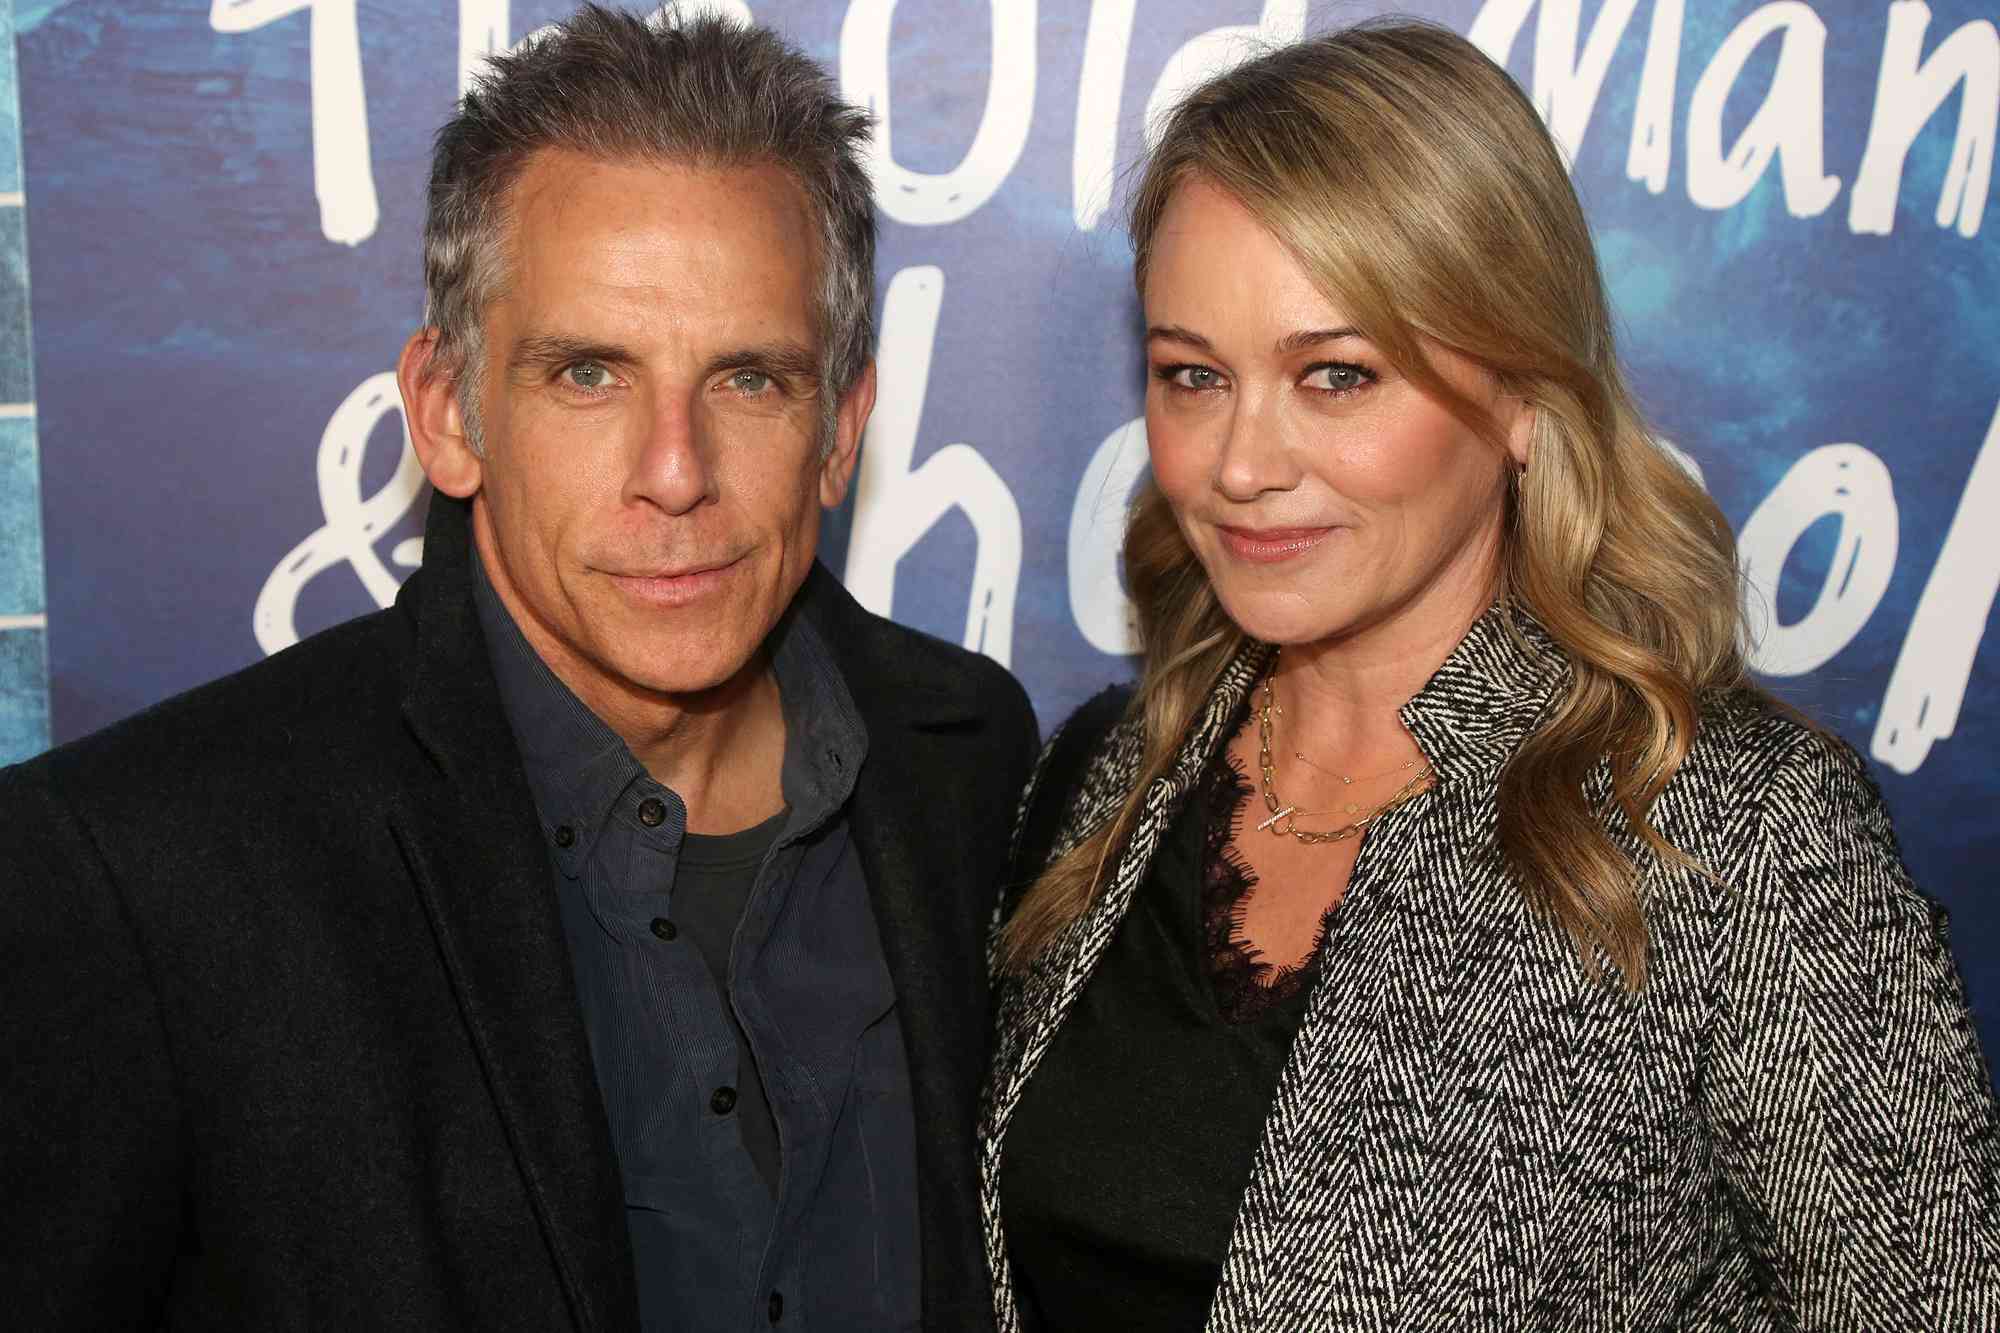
x=652, y=812
x=565, y=836
x=664, y=928
x=777, y=1306
x=723, y=1101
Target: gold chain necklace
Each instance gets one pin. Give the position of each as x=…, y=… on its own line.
x=1346, y=781
x=1283, y=822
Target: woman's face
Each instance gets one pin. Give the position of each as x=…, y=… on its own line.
x=1326, y=495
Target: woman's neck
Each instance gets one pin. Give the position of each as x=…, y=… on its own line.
x=1339, y=699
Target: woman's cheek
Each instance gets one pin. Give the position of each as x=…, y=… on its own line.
x=1178, y=466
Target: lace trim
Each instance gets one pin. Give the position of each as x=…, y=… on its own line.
x=1246, y=986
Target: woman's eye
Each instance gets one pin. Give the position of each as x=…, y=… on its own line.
x=1195, y=377
x=1337, y=378
x=749, y=381
x=587, y=375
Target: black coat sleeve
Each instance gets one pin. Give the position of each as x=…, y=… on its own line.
x=90, y=1140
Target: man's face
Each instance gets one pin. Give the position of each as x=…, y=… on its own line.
x=647, y=500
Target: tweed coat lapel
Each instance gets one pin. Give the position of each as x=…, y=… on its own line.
x=1350, y=1160
x=467, y=829
x=1032, y=1011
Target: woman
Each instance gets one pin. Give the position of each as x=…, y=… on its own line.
x=1445, y=934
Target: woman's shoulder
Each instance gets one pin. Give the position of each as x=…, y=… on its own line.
x=1089, y=762
x=1090, y=738
x=1751, y=746
x=1782, y=802
x=1094, y=718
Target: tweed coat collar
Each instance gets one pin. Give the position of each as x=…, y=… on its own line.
x=1468, y=719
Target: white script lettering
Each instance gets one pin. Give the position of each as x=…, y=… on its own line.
x=1925, y=690
x=353, y=524
x=1097, y=597
x=895, y=505
x=1100, y=92
x=343, y=176
x=1840, y=479
x=1907, y=95
x=914, y=197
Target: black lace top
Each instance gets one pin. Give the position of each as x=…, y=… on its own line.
x=1132, y=1144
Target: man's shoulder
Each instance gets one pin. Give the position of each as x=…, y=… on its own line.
x=303, y=709
x=875, y=651
x=951, y=667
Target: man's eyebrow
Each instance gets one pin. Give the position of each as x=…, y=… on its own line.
x=791, y=359
x=1174, y=333
x=556, y=349
x=1304, y=338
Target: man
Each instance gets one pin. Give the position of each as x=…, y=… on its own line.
x=594, y=939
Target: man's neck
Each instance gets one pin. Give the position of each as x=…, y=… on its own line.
x=721, y=750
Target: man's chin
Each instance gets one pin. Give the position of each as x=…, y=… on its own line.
x=669, y=670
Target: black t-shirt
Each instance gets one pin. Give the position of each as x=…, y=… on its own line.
x=1131, y=1146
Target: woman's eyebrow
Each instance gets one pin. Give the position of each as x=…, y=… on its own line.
x=1174, y=333
x=1305, y=338
x=1291, y=342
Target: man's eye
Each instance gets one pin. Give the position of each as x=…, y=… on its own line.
x=587, y=375
x=749, y=381
x=1337, y=378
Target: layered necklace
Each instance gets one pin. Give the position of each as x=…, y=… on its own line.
x=1283, y=822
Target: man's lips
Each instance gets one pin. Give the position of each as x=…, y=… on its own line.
x=676, y=586
x=1269, y=546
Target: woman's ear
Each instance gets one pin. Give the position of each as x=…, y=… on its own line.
x=449, y=456
x=1517, y=419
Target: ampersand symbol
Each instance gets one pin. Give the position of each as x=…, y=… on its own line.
x=353, y=524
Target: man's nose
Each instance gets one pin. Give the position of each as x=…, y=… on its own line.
x=1256, y=454
x=673, y=468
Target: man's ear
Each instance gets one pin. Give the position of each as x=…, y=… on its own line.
x=837, y=468
x=437, y=430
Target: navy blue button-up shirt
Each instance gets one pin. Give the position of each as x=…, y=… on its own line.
x=836, y=1246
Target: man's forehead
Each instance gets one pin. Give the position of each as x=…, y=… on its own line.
x=733, y=241
x=553, y=183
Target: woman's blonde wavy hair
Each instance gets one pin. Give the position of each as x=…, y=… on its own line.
x=1410, y=176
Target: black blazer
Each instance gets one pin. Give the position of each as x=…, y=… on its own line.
x=291, y=1035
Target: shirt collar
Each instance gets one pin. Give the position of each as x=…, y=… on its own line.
x=826, y=742
x=578, y=768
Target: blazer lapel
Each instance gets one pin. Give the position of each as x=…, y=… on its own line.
x=920, y=840
x=468, y=833
x=936, y=968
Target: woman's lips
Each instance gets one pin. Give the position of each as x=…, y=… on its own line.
x=1269, y=546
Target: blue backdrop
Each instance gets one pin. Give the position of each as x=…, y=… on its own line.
x=224, y=204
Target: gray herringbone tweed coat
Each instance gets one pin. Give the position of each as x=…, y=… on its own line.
x=1792, y=1127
